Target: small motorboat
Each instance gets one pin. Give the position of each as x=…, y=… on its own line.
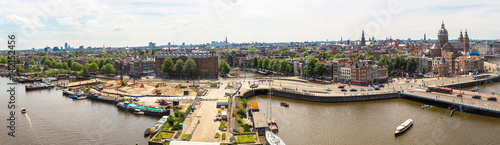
x=475, y=89
x=147, y=132
x=23, y=110
x=73, y=96
x=284, y=104
x=403, y=127
x=138, y=112
x=426, y=106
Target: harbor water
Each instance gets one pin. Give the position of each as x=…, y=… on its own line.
x=374, y=122
x=56, y=119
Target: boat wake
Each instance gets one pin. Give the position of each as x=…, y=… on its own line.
x=29, y=121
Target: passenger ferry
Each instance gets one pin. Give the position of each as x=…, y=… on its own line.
x=273, y=139
x=403, y=127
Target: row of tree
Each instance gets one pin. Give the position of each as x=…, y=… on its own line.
x=180, y=66
x=400, y=64
x=4, y=60
x=279, y=65
x=315, y=68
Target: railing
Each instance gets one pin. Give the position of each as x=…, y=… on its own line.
x=454, y=102
x=345, y=94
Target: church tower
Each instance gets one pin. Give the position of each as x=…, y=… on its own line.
x=461, y=37
x=226, y=43
x=363, y=42
x=466, y=41
x=442, y=36
x=103, y=50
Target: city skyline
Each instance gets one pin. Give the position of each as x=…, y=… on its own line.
x=135, y=23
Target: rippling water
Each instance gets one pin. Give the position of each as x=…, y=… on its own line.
x=57, y=119
x=374, y=122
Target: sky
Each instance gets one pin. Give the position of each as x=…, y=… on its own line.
x=121, y=23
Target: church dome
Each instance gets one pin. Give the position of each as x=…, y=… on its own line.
x=443, y=30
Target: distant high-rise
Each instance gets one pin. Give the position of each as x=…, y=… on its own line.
x=226, y=43
x=425, y=38
x=66, y=46
x=363, y=42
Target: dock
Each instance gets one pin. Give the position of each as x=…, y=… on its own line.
x=79, y=83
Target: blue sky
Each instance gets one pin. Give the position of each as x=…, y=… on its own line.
x=135, y=23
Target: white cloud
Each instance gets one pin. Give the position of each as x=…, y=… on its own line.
x=69, y=21
x=17, y=19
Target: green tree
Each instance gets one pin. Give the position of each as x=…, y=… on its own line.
x=69, y=61
x=167, y=66
x=224, y=67
x=311, y=66
x=108, y=69
x=371, y=57
x=109, y=61
x=45, y=68
x=64, y=65
x=32, y=62
x=340, y=55
x=179, y=66
x=58, y=65
x=285, y=48
x=255, y=62
x=189, y=66
x=3, y=60
x=233, y=52
x=266, y=63
x=320, y=69
x=75, y=66
x=295, y=55
x=19, y=69
x=360, y=56
x=84, y=72
x=18, y=60
x=383, y=60
x=141, y=52
x=92, y=67
x=303, y=49
x=411, y=65
x=423, y=70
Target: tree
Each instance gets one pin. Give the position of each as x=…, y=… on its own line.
x=32, y=61
x=45, y=68
x=84, y=72
x=303, y=49
x=383, y=60
x=311, y=66
x=19, y=69
x=285, y=48
x=295, y=55
x=320, y=68
x=167, y=65
x=233, y=52
x=179, y=66
x=3, y=60
x=18, y=60
x=141, y=52
x=423, y=70
x=69, y=61
x=189, y=66
x=266, y=63
x=411, y=65
x=108, y=69
x=58, y=65
x=325, y=55
x=360, y=56
x=64, y=65
x=109, y=61
x=371, y=57
x=75, y=66
x=255, y=62
x=339, y=55
x=224, y=67
x=92, y=67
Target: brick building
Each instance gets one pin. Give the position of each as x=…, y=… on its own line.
x=206, y=63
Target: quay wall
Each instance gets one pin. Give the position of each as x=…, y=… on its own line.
x=321, y=99
x=473, y=83
x=452, y=105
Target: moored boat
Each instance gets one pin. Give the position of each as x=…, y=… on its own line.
x=475, y=89
x=73, y=96
x=284, y=104
x=273, y=126
x=403, y=127
x=23, y=110
x=138, y=112
x=147, y=132
x=426, y=106
x=273, y=139
x=38, y=86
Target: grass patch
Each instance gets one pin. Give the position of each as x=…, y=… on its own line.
x=186, y=136
x=166, y=135
x=165, y=127
x=157, y=138
x=222, y=125
x=245, y=138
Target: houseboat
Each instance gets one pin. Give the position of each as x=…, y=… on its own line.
x=38, y=86
x=272, y=125
x=403, y=127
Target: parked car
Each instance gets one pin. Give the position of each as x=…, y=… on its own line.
x=410, y=90
x=343, y=90
x=377, y=88
x=353, y=90
x=328, y=89
x=492, y=99
x=476, y=97
x=459, y=95
x=362, y=89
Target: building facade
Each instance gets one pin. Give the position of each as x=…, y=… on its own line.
x=206, y=64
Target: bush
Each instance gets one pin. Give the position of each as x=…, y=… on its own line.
x=223, y=136
x=245, y=138
x=246, y=127
x=166, y=135
x=241, y=113
x=222, y=125
x=170, y=120
x=176, y=126
x=217, y=135
x=240, y=122
x=186, y=136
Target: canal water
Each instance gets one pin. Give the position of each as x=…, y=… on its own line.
x=374, y=122
x=56, y=119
